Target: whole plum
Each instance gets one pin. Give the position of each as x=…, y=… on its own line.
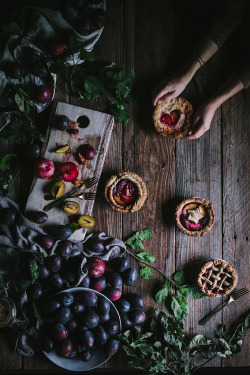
x=66, y=348
x=43, y=94
x=136, y=301
x=111, y=347
x=59, y=332
x=78, y=307
x=52, y=305
x=64, y=248
x=89, y=298
x=112, y=327
x=90, y=319
x=104, y=318
x=85, y=283
x=47, y=344
x=112, y=293
x=66, y=299
x=98, y=284
x=54, y=263
x=100, y=335
x=126, y=322
x=114, y=279
x=129, y=276
x=39, y=217
x=95, y=245
x=63, y=123
x=56, y=281
x=35, y=291
x=137, y=316
x=46, y=242
x=123, y=306
x=33, y=152
x=8, y=216
x=44, y=272
x=87, y=354
x=63, y=315
x=68, y=275
x=96, y=267
x=103, y=306
x=121, y=264
x=72, y=324
x=60, y=231
x=87, y=338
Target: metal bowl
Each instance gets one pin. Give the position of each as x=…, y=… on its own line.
x=99, y=357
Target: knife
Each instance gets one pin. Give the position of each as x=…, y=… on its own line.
x=57, y=201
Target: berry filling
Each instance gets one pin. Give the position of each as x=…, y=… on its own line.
x=171, y=119
x=125, y=192
x=194, y=216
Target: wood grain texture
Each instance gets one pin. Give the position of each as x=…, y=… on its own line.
x=97, y=134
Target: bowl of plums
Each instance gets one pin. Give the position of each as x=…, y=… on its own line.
x=82, y=329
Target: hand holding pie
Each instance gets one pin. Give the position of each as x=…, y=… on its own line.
x=125, y=192
x=172, y=119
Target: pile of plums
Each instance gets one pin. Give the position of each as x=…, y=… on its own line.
x=75, y=325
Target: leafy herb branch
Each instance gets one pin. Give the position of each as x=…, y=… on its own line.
x=179, y=303
x=166, y=349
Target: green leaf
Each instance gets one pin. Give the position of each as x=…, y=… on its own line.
x=130, y=351
x=191, y=291
x=38, y=313
x=124, y=75
x=179, y=277
x=145, y=348
x=179, y=306
x=247, y=321
x=224, y=344
x=75, y=45
x=34, y=269
x=146, y=257
x=86, y=55
x=32, y=331
x=197, y=341
x=144, y=235
x=161, y=295
x=93, y=85
x=137, y=245
x=146, y=273
x=20, y=102
x=6, y=161
x=73, y=227
x=117, y=109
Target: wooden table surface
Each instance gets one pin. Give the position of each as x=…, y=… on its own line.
x=153, y=38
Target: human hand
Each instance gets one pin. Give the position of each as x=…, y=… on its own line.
x=169, y=89
x=201, y=121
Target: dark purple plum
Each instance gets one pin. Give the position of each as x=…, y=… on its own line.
x=66, y=348
x=64, y=248
x=123, y=306
x=59, y=231
x=104, y=318
x=47, y=344
x=52, y=305
x=85, y=283
x=136, y=301
x=63, y=123
x=95, y=245
x=8, y=216
x=86, y=338
x=78, y=307
x=56, y=281
x=129, y=276
x=44, y=272
x=63, y=315
x=90, y=319
x=39, y=217
x=40, y=69
x=112, y=327
x=43, y=94
x=54, y=263
x=126, y=322
x=33, y=152
x=35, y=291
x=121, y=264
x=68, y=275
x=46, y=242
x=66, y=299
x=98, y=284
x=111, y=347
x=137, y=316
x=114, y=279
x=103, y=306
x=72, y=324
x=89, y=298
x=87, y=354
x=100, y=335
x=59, y=332
x=112, y=293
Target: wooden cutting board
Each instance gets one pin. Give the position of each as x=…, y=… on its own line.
x=98, y=134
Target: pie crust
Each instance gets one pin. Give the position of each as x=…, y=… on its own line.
x=217, y=278
x=209, y=214
x=141, y=192
x=180, y=128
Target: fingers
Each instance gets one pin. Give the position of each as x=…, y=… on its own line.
x=164, y=96
x=197, y=130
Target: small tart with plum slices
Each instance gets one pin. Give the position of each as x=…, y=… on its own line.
x=194, y=216
x=172, y=119
x=126, y=192
x=217, y=278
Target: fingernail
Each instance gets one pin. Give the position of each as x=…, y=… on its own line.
x=190, y=132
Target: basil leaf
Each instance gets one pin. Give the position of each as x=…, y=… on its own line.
x=161, y=295
x=146, y=257
x=179, y=277
x=197, y=341
x=130, y=351
x=5, y=163
x=20, y=102
x=144, y=235
x=146, y=273
x=179, y=306
x=93, y=85
x=117, y=109
x=34, y=269
x=191, y=291
x=136, y=245
x=86, y=55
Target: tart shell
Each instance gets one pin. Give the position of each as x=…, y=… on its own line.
x=180, y=104
x=141, y=188
x=220, y=263
x=206, y=228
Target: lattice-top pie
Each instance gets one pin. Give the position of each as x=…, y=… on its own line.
x=217, y=278
x=126, y=192
x=172, y=119
x=194, y=216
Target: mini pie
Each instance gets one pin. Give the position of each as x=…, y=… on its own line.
x=194, y=216
x=217, y=278
x=126, y=192
x=172, y=119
